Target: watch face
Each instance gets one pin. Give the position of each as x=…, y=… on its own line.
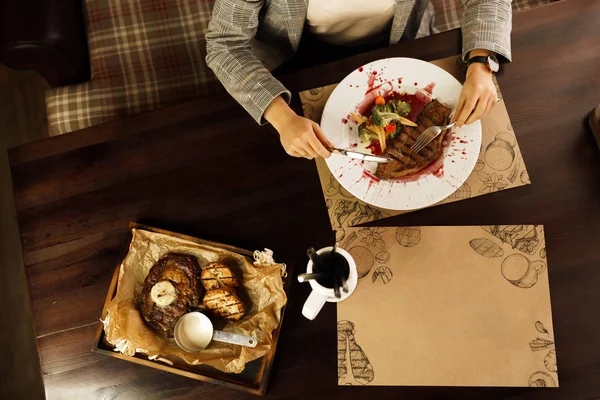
x=493, y=63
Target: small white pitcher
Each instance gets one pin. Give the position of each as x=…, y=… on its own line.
x=321, y=294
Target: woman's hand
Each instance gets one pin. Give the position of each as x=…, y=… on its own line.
x=300, y=137
x=478, y=95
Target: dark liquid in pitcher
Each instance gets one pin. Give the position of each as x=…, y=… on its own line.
x=329, y=264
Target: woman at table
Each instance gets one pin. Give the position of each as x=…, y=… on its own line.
x=247, y=39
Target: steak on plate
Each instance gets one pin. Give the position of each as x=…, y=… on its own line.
x=171, y=289
x=407, y=162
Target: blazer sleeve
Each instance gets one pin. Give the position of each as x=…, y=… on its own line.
x=234, y=23
x=486, y=24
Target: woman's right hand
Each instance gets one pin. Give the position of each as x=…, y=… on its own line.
x=300, y=137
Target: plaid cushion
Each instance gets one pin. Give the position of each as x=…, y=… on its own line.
x=449, y=12
x=144, y=54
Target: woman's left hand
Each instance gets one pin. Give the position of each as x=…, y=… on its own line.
x=478, y=95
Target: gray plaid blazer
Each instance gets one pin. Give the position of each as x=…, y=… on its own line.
x=239, y=26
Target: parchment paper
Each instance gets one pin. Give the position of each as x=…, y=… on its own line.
x=261, y=290
x=448, y=306
x=500, y=165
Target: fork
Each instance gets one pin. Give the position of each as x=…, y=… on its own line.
x=428, y=135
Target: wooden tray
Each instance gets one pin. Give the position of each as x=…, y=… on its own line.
x=255, y=376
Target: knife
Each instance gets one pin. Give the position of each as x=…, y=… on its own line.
x=360, y=156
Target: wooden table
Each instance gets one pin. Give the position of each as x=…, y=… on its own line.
x=206, y=169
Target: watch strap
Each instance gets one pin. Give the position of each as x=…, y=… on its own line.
x=478, y=59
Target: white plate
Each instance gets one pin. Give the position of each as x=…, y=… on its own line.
x=436, y=182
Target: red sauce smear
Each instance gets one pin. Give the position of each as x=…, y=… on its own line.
x=344, y=121
x=429, y=88
x=361, y=69
x=383, y=89
x=368, y=175
x=372, y=178
x=375, y=147
x=417, y=102
x=370, y=82
x=464, y=142
x=386, y=87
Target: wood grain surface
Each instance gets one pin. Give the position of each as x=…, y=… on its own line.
x=204, y=168
x=22, y=119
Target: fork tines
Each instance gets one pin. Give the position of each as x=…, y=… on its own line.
x=423, y=140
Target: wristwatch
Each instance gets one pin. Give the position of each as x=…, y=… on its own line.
x=490, y=61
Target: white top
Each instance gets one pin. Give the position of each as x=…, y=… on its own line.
x=346, y=22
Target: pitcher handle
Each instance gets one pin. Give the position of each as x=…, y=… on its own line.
x=313, y=305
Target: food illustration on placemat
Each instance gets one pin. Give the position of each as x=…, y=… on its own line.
x=382, y=275
x=525, y=178
x=492, y=182
x=520, y=271
x=370, y=250
x=462, y=193
x=333, y=188
x=355, y=213
x=521, y=237
x=437, y=299
x=500, y=154
x=541, y=379
x=549, y=361
x=540, y=328
x=364, y=260
x=408, y=236
x=373, y=237
x=351, y=355
x=382, y=257
x=539, y=344
x=516, y=268
x=349, y=213
x=486, y=248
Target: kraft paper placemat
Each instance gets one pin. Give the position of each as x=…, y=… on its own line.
x=448, y=306
x=500, y=165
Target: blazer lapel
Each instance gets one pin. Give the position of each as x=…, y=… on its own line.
x=295, y=16
x=401, y=15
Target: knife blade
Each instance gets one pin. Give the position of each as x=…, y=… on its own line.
x=360, y=156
